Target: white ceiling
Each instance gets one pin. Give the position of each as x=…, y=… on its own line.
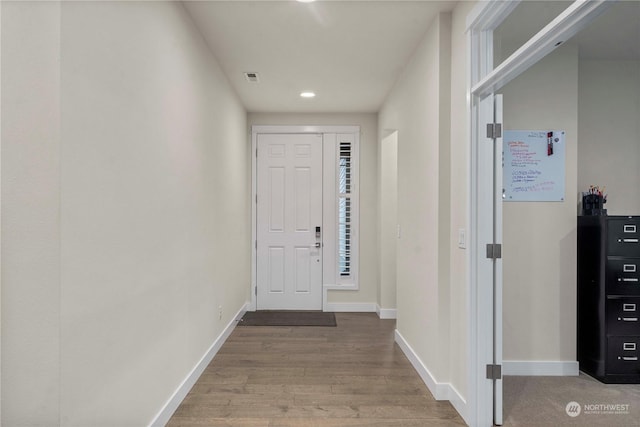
x=349, y=52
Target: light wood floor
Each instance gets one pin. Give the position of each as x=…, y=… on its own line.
x=350, y=375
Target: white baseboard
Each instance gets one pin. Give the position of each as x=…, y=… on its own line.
x=360, y=307
x=386, y=313
x=440, y=391
x=459, y=403
x=540, y=368
x=350, y=307
x=181, y=392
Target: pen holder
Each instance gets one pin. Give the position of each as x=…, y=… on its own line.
x=592, y=204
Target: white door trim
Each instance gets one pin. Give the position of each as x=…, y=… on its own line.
x=573, y=19
x=483, y=80
x=277, y=129
x=0, y=213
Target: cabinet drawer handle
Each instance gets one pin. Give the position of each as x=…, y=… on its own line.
x=628, y=307
x=628, y=240
x=629, y=319
x=629, y=268
x=629, y=228
x=629, y=346
x=630, y=359
x=629, y=279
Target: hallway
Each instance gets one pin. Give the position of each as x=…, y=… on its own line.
x=350, y=375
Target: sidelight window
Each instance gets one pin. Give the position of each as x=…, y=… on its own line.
x=344, y=209
x=347, y=209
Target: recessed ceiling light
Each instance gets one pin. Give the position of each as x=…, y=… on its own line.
x=307, y=94
x=306, y=1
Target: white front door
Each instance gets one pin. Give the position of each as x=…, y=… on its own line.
x=289, y=217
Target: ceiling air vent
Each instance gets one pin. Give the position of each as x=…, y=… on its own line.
x=252, y=77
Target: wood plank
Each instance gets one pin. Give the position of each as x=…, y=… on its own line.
x=350, y=375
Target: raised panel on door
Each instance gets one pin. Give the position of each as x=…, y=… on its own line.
x=289, y=208
x=276, y=198
x=276, y=272
x=302, y=270
x=302, y=199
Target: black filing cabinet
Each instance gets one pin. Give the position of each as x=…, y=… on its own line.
x=609, y=297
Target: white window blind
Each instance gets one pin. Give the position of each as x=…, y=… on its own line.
x=345, y=212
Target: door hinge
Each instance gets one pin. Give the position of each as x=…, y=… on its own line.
x=494, y=130
x=256, y=153
x=256, y=244
x=494, y=250
x=256, y=199
x=255, y=290
x=494, y=372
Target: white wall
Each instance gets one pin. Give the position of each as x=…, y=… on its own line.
x=125, y=248
x=539, y=245
x=368, y=275
x=459, y=159
x=30, y=213
x=418, y=107
x=388, y=216
x=609, y=131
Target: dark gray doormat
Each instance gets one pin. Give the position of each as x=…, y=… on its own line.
x=287, y=318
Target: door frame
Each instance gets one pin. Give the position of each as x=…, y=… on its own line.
x=482, y=81
x=286, y=129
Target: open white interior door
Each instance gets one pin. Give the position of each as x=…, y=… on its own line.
x=489, y=267
x=497, y=272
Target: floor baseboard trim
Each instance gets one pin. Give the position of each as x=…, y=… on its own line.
x=386, y=313
x=181, y=392
x=438, y=390
x=458, y=403
x=352, y=307
x=540, y=368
